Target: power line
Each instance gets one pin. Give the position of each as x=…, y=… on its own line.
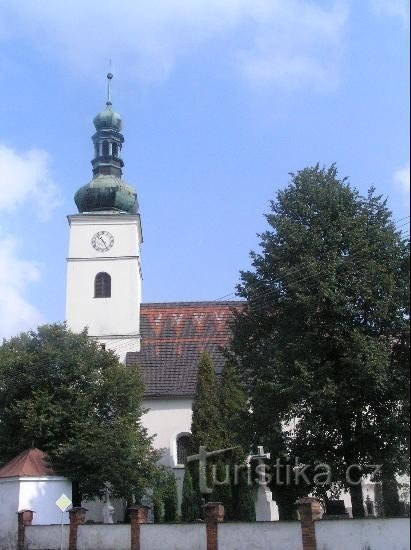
x=291, y=275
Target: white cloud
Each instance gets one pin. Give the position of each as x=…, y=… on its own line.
x=17, y=314
x=26, y=176
x=402, y=179
x=279, y=42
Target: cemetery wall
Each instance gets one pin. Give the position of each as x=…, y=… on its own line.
x=260, y=536
x=182, y=536
x=103, y=537
x=38, y=537
x=363, y=534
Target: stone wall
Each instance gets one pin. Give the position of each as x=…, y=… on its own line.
x=363, y=534
x=310, y=533
x=260, y=536
x=39, y=537
x=103, y=537
x=179, y=536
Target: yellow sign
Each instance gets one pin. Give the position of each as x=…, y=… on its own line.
x=63, y=502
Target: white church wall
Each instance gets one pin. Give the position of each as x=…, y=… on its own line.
x=40, y=495
x=9, y=498
x=180, y=536
x=166, y=419
x=362, y=534
x=260, y=536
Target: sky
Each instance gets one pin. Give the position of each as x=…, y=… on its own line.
x=220, y=100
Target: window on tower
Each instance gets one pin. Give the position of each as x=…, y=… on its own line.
x=115, y=150
x=105, y=149
x=102, y=285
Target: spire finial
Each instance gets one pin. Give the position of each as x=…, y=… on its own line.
x=109, y=78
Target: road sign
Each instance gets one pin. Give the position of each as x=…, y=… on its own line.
x=63, y=502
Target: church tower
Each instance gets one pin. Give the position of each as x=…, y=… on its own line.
x=103, y=265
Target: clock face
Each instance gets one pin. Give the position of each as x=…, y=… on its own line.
x=102, y=241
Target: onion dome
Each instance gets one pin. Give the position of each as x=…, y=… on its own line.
x=107, y=191
x=107, y=119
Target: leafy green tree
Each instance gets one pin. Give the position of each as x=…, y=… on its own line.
x=190, y=510
x=243, y=501
x=170, y=499
x=222, y=482
x=206, y=420
x=324, y=334
x=62, y=393
x=233, y=411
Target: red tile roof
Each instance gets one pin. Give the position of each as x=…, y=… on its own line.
x=29, y=463
x=173, y=336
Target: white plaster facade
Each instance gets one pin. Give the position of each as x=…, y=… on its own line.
x=113, y=321
x=363, y=534
x=30, y=493
x=165, y=419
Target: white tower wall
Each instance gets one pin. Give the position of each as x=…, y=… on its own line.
x=113, y=321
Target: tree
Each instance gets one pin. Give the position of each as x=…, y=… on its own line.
x=190, y=510
x=233, y=410
x=238, y=501
x=243, y=503
x=206, y=421
x=170, y=499
x=62, y=393
x=323, y=336
x=222, y=487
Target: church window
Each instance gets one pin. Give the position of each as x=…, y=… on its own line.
x=105, y=149
x=183, y=448
x=102, y=285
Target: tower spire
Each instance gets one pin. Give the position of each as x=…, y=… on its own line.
x=109, y=79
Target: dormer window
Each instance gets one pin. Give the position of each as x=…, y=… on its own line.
x=102, y=285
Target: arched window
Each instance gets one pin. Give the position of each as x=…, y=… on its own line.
x=115, y=150
x=183, y=448
x=102, y=285
x=105, y=148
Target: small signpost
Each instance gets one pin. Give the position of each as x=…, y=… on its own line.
x=63, y=503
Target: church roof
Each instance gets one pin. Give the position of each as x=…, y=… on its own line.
x=29, y=463
x=173, y=336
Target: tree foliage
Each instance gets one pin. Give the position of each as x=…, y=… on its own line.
x=170, y=499
x=206, y=420
x=220, y=412
x=62, y=393
x=190, y=510
x=324, y=334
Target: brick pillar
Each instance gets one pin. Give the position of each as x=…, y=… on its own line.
x=138, y=515
x=214, y=514
x=77, y=517
x=24, y=517
x=309, y=510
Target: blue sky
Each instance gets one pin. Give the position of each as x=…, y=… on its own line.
x=220, y=99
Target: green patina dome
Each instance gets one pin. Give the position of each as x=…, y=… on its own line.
x=106, y=192
x=107, y=119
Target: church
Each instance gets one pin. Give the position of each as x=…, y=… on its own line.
x=104, y=293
